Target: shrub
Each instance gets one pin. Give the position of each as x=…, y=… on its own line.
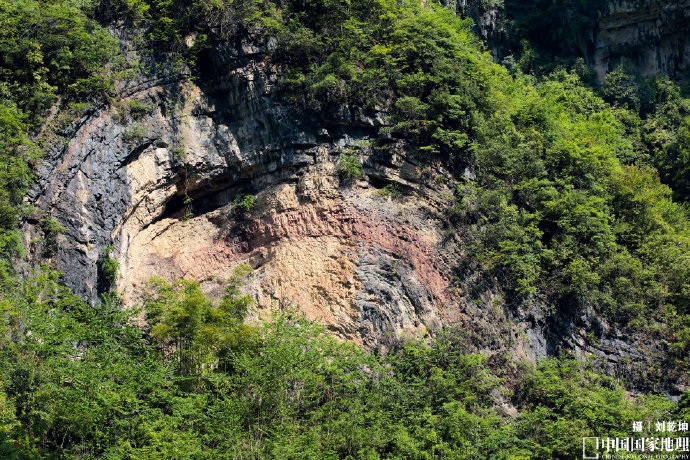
x=349, y=167
x=133, y=132
x=109, y=266
x=389, y=191
x=51, y=229
x=244, y=203
x=137, y=109
x=189, y=210
x=202, y=333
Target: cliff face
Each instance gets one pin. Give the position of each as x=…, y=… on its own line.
x=158, y=178
x=160, y=188
x=485, y=14
x=651, y=34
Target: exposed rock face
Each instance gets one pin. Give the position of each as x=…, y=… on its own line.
x=371, y=267
x=651, y=34
x=485, y=14
x=160, y=188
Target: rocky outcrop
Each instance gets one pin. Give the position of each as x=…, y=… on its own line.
x=485, y=14
x=651, y=34
x=157, y=176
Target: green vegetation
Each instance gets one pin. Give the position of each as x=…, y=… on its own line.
x=51, y=229
x=109, y=268
x=51, y=50
x=202, y=335
x=189, y=208
x=87, y=382
x=565, y=208
x=134, y=132
x=138, y=109
x=349, y=167
x=664, y=133
x=389, y=191
x=244, y=203
x=539, y=35
x=17, y=152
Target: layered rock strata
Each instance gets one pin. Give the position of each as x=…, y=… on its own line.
x=160, y=185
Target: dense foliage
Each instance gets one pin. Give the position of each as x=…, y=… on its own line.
x=564, y=205
x=85, y=382
x=50, y=50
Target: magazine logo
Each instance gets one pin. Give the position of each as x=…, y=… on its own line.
x=594, y=448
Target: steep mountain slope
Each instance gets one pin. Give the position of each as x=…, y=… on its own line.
x=377, y=251
x=480, y=241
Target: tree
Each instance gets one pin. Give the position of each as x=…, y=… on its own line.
x=190, y=327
